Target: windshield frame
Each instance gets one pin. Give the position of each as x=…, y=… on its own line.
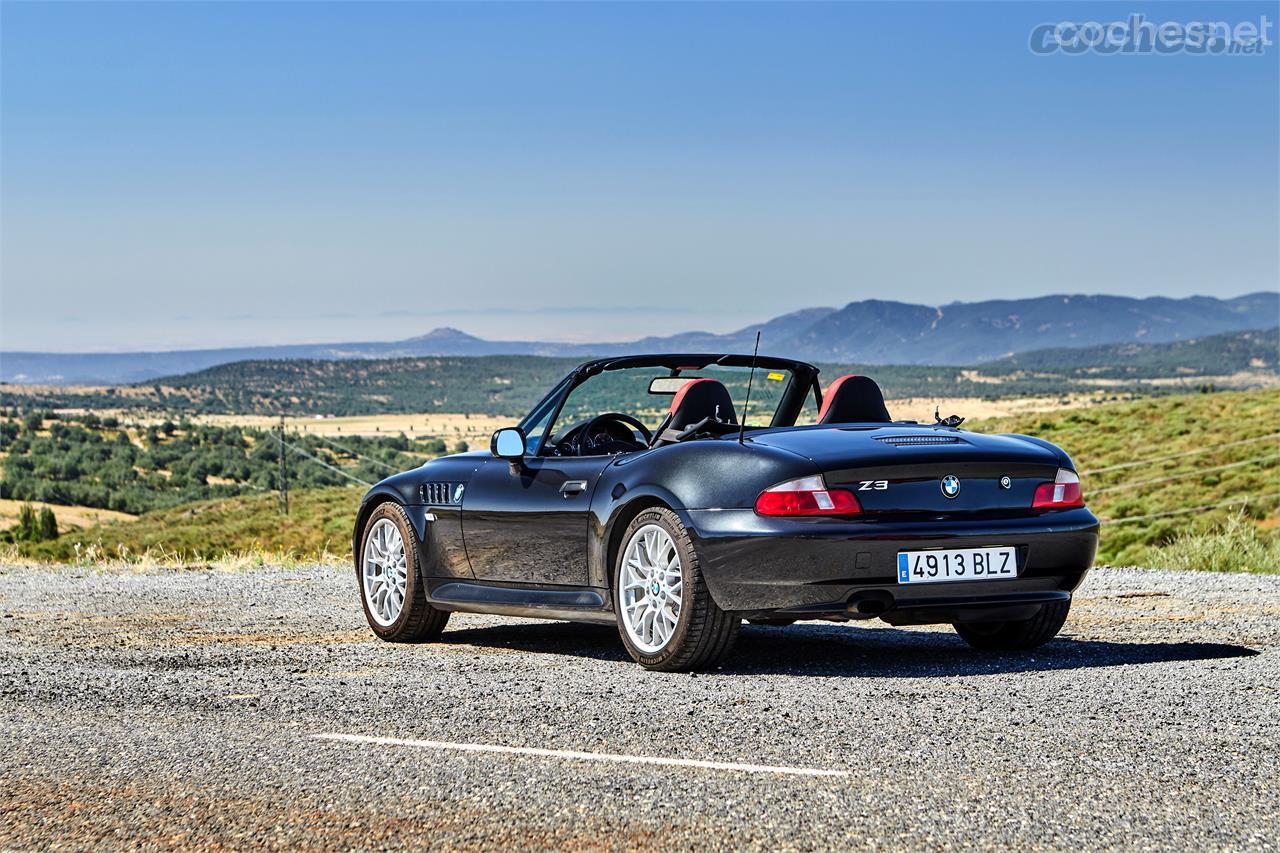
x=804, y=378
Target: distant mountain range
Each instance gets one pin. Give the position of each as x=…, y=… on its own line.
x=871, y=331
x=511, y=384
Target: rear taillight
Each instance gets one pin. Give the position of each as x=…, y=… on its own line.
x=1062, y=493
x=806, y=496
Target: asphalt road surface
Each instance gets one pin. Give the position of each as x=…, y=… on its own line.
x=210, y=709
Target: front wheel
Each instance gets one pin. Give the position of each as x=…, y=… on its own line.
x=391, y=585
x=666, y=616
x=1019, y=635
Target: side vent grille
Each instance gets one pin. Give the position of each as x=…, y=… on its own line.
x=442, y=494
x=910, y=440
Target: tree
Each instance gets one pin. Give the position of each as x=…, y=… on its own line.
x=33, y=527
x=461, y=447
x=48, y=524
x=27, y=529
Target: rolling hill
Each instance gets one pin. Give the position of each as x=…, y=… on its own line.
x=871, y=331
x=510, y=385
x=1214, y=354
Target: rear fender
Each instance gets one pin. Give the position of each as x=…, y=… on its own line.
x=700, y=474
x=1063, y=459
x=613, y=508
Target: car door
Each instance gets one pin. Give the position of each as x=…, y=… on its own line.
x=528, y=523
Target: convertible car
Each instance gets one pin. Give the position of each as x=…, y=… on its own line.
x=677, y=495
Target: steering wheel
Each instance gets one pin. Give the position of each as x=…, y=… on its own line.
x=595, y=438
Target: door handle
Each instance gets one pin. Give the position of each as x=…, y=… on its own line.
x=573, y=487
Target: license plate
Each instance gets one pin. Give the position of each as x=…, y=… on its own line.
x=964, y=564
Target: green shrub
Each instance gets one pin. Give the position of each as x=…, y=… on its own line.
x=33, y=526
x=1237, y=545
x=48, y=524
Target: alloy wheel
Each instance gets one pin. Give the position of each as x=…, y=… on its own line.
x=384, y=572
x=651, y=588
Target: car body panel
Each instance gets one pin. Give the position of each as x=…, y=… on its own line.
x=526, y=524
x=752, y=563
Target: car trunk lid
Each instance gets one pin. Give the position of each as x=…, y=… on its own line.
x=915, y=469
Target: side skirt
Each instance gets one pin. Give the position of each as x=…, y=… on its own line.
x=574, y=603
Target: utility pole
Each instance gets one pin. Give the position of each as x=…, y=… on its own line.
x=283, y=501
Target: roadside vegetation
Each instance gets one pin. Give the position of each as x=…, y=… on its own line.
x=1175, y=477
x=107, y=463
x=246, y=530
x=1238, y=544
x=32, y=526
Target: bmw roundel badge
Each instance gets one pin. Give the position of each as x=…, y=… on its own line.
x=951, y=485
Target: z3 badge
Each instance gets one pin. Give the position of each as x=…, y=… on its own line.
x=873, y=485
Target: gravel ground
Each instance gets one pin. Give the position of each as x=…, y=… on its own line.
x=180, y=709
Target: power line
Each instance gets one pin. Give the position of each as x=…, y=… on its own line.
x=366, y=457
x=1139, y=484
x=1198, y=450
x=318, y=461
x=1245, y=500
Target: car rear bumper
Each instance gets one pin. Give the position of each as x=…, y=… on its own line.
x=823, y=568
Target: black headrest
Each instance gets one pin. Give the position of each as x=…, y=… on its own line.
x=698, y=399
x=853, y=400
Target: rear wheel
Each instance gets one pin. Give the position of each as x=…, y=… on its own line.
x=391, y=586
x=1018, y=635
x=665, y=613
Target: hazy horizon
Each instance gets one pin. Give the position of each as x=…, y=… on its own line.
x=179, y=176
x=725, y=327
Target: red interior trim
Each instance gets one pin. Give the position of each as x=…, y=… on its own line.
x=679, y=397
x=830, y=396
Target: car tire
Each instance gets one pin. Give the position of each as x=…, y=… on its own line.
x=702, y=634
x=393, y=572
x=1016, y=636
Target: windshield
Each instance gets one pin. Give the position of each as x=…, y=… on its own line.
x=627, y=391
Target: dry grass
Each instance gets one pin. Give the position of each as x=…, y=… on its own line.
x=975, y=408
x=451, y=427
x=121, y=558
x=68, y=516
x=448, y=426
x=239, y=532
x=1237, y=545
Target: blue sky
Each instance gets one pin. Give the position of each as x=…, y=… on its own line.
x=215, y=174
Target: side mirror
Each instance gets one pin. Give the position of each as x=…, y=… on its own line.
x=508, y=443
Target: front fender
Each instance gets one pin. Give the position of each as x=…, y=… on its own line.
x=379, y=494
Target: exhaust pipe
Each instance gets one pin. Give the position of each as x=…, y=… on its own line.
x=869, y=605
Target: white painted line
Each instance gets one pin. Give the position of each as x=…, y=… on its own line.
x=581, y=756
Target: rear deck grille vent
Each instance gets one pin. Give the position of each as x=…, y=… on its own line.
x=908, y=440
x=442, y=494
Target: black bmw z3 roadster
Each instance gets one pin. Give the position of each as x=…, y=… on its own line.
x=677, y=495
